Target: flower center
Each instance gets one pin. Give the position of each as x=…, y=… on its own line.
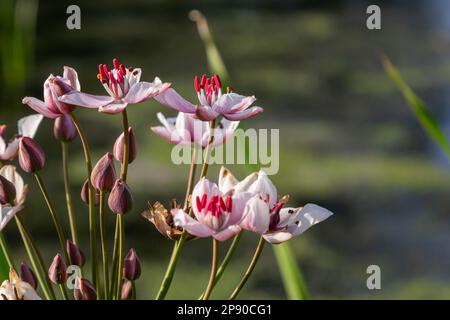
x=215, y=211
x=209, y=90
x=115, y=81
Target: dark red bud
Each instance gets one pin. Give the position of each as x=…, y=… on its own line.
x=31, y=155
x=127, y=291
x=104, y=174
x=58, y=270
x=119, y=146
x=132, y=266
x=27, y=275
x=76, y=256
x=120, y=199
x=85, y=194
x=84, y=290
x=64, y=129
x=7, y=191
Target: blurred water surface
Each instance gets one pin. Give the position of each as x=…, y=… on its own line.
x=348, y=140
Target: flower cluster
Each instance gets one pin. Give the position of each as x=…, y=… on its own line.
x=219, y=210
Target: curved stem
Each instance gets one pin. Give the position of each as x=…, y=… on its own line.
x=63, y=291
x=250, y=268
x=126, y=149
x=112, y=290
x=37, y=264
x=51, y=209
x=212, y=126
x=212, y=277
x=73, y=225
x=92, y=227
x=5, y=250
x=103, y=243
x=120, y=256
x=226, y=260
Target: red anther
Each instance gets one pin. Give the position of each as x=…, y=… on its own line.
x=209, y=208
x=122, y=69
x=207, y=86
x=116, y=64
x=106, y=70
x=204, y=198
x=112, y=78
x=101, y=72
x=277, y=207
x=217, y=82
x=222, y=204
x=229, y=203
x=199, y=203
x=120, y=77
x=197, y=84
x=203, y=82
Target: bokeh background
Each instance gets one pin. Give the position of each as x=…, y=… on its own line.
x=348, y=140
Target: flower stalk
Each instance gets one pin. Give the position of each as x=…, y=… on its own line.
x=103, y=243
x=69, y=202
x=5, y=251
x=212, y=277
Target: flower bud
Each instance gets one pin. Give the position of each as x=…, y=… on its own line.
x=7, y=191
x=85, y=194
x=104, y=174
x=76, y=256
x=64, y=129
x=84, y=290
x=27, y=275
x=31, y=155
x=119, y=146
x=127, y=290
x=58, y=86
x=58, y=270
x=132, y=266
x=120, y=199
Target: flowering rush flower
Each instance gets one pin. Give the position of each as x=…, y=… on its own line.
x=266, y=214
x=9, y=210
x=27, y=127
x=123, y=86
x=185, y=129
x=212, y=102
x=16, y=289
x=54, y=87
x=217, y=213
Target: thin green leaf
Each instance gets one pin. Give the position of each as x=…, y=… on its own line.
x=290, y=271
x=420, y=110
x=3, y=267
x=293, y=281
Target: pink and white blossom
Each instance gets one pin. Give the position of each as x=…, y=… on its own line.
x=16, y=289
x=123, y=85
x=185, y=129
x=212, y=102
x=55, y=87
x=27, y=127
x=217, y=214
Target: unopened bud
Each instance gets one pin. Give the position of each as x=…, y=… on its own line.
x=7, y=191
x=31, y=155
x=28, y=275
x=58, y=270
x=104, y=174
x=127, y=290
x=132, y=266
x=120, y=199
x=84, y=290
x=64, y=129
x=85, y=193
x=119, y=146
x=76, y=256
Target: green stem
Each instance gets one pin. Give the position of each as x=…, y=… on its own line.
x=212, y=126
x=250, y=268
x=212, y=276
x=112, y=290
x=92, y=227
x=103, y=243
x=5, y=251
x=63, y=291
x=37, y=264
x=126, y=149
x=120, y=257
x=133, y=286
x=55, y=219
x=226, y=260
x=72, y=222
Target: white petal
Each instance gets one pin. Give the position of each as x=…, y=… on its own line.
x=264, y=187
x=28, y=125
x=308, y=216
x=256, y=217
x=227, y=181
x=277, y=237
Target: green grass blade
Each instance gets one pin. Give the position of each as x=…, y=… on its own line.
x=420, y=110
x=4, y=269
x=290, y=271
x=293, y=281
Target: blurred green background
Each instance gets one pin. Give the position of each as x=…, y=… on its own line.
x=348, y=140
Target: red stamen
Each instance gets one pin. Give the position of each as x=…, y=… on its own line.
x=229, y=203
x=217, y=81
x=222, y=204
x=106, y=70
x=199, y=203
x=116, y=64
x=122, y=69
x=203, y=82
x=197, y=84
x=204, y=198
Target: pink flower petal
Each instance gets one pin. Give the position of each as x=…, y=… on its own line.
x=141, y=91
x=228, y=233
x=72, y=75
x=232, y=103
x=86, y=100
x=11, y=150
x=206, y=113
x=164, y=133
x=117, y=106
x=192, y=226
x=40, y=107
x=264, y=187
x=7, y=213
x=240, y=200
x=173, y=100
x=256, y=216
x=253, y=111
x=308, y=216
x=204, y=186
x=277, y=237
x=28, y=125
